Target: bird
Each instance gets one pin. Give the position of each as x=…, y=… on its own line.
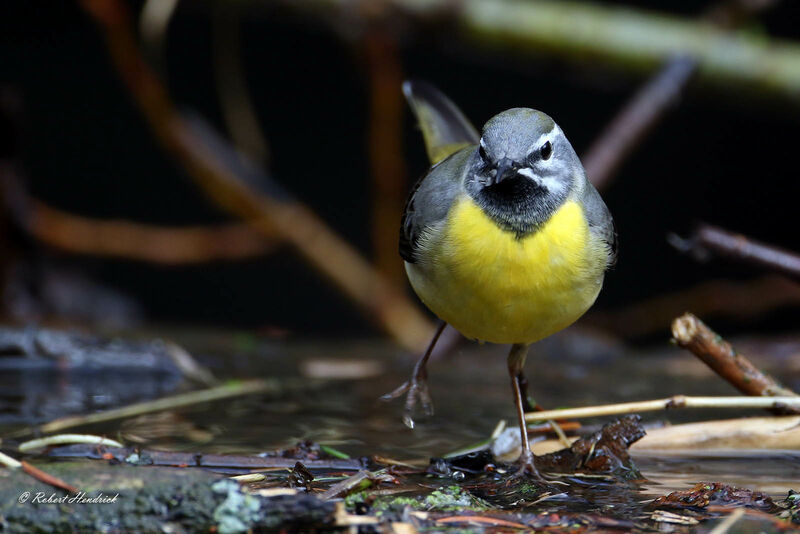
x=503, y=238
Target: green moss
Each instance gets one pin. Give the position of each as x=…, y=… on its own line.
x=451, y=498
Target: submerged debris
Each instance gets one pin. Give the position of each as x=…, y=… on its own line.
x=456, y=466
x=704, y=494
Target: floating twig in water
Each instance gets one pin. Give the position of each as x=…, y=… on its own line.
x=346, y=486
x=8, y=461
x=692, y=334
x=64, y=439
x=677, y=401
x=137, y=456
x=245, y=387
x=726, y=524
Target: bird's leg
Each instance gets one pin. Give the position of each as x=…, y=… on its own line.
x=516, y=362
x=527, y=405
x=416, y=388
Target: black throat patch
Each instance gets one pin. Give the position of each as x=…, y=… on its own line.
x=517, y=204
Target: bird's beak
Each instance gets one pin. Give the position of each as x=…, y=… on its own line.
x=505, y=168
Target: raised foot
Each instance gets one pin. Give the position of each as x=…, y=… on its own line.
x=416, y=391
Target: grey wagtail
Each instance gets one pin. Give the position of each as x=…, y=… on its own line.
x=504, y=238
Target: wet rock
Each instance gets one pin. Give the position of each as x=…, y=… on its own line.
x=150, y=499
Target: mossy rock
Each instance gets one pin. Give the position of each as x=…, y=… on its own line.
x=147, y=499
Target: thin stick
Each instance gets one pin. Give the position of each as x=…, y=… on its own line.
x=346, y=485
x=708, y=240
x=47, y=478
x=248, y=387
x=62, y=439
x=36, y=473
x=8, y=461
x=633, y=122
x=677, y=401
x=692, y=334
x=726, y=524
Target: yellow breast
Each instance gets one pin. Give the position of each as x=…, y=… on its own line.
x=492, y=286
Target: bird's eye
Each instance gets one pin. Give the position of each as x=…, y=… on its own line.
x=546, y=150
x=482, y=153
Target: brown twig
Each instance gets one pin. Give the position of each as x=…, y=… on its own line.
x=380, y=301
x=636, y=119
x=389, y=176
x=708, y=240
x=144, y=242
x=692, y=334
x=41, y=476
x=38, y=474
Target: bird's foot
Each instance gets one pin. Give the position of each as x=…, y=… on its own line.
x=416, y=390
x=526, y=470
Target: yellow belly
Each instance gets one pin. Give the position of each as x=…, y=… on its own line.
x=491, y=286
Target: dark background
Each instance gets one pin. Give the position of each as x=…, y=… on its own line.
x=722, y=157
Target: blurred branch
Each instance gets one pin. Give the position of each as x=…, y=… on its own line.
x=636, y=119
x=382, y=302
x=719, y=298
x=644, y=110
x=389, y=182
x=142, y=242
x=708, y=240
x=237, y=107
x=153, y=24
x=125, y=239
x=622, y=37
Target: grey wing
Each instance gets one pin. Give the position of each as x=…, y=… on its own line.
x=600, y=221
x=430, y=200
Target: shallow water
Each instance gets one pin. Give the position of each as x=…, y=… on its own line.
x=470, y=390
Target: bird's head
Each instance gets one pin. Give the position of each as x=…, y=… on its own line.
x=523, y=168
